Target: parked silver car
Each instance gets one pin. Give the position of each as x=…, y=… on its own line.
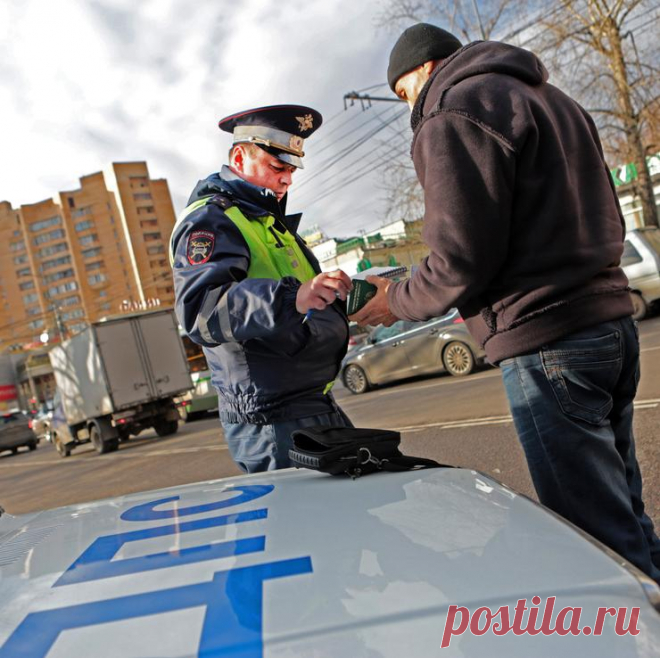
x=641, y=263
x=16, y=432
x=407, y=349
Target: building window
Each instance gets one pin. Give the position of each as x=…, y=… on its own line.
x=55, y=262
x=72, y=202
x=102, y=293
x=20, y=260
x=36, y=324
x=94, y=266
x=47, y=237
x=96, y=278
x=77, y=327
x=143, y=196
x=105, y=306
x=30, y=299
x=73, y=300
x=81, y=212
x=148, y=223
x=84, y=225
x=89, y=239
x=70, y=286
x=17, y=246
x=33, y=310
x=138, y=181
x=159, y=249
x=72, y=315
x=56, y=276
x=90, y=253
x=25, y=271
x=145, y=210
x=150, y=237
x=46, y=223
x=26, y=285
x=49, y=251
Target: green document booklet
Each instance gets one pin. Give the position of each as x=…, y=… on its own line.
x=363, y=291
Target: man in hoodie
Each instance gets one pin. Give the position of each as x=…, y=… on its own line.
x=272, y=326
x=525, y=236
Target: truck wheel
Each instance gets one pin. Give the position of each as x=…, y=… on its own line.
x=166, y=427
x=102, y=445
x=62, y=449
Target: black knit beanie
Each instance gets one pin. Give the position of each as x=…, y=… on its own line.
x=419, y=44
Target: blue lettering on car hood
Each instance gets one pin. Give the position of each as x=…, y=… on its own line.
x=233, y=598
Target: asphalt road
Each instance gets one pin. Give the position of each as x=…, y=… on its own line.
x=462, y=421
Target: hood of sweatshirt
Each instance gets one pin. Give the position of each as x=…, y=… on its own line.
x=476, y=59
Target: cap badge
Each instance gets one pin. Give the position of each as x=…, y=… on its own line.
x=306, y=122
x=296, y=142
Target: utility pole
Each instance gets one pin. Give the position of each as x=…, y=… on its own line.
x=61, y=327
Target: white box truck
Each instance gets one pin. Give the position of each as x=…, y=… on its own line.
x=116, y=378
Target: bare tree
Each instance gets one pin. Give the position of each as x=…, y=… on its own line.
x=604, y=53
x=469, y=20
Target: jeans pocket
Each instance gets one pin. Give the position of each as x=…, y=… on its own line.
x=583, y=374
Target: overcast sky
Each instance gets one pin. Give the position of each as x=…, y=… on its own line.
x=87, y=82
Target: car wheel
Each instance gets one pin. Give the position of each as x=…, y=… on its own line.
x=62, y=449
x=14, y=451
x=355, y=380
x=458, y=359
x=102, y=445
x=639, y=306
x=32, y=446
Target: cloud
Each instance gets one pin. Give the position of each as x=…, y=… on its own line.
x=85, y=83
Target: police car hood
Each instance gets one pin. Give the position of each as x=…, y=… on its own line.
x=297, y=563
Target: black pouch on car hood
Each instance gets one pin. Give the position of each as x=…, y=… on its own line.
x=352, y=450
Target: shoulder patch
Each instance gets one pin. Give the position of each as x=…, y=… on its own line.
x=200, y=247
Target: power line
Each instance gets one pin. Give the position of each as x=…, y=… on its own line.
x=398, y=144
x=353, y=131
x=350, y=148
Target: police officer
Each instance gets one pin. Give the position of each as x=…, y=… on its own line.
x=272, y=326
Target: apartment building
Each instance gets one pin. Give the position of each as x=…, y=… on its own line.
x=86, y=253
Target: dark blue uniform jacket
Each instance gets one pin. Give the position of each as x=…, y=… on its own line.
x=266, y=364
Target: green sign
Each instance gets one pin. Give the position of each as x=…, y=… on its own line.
x=628, y=173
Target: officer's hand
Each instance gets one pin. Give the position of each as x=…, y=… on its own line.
x=377, y=310
x=322, y=290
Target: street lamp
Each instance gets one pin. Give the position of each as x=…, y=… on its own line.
x=44, y=337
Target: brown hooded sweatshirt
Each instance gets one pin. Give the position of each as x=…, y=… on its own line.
x=522, y=221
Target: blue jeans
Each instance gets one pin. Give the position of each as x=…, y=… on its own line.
x=572, y=405
x=257, y=448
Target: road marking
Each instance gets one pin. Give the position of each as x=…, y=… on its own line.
x=494, y=420
x=649, y=349
x=127, y=455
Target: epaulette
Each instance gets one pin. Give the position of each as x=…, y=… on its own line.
x=222, y=201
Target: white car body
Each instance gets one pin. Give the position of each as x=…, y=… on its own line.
x=297, y=563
